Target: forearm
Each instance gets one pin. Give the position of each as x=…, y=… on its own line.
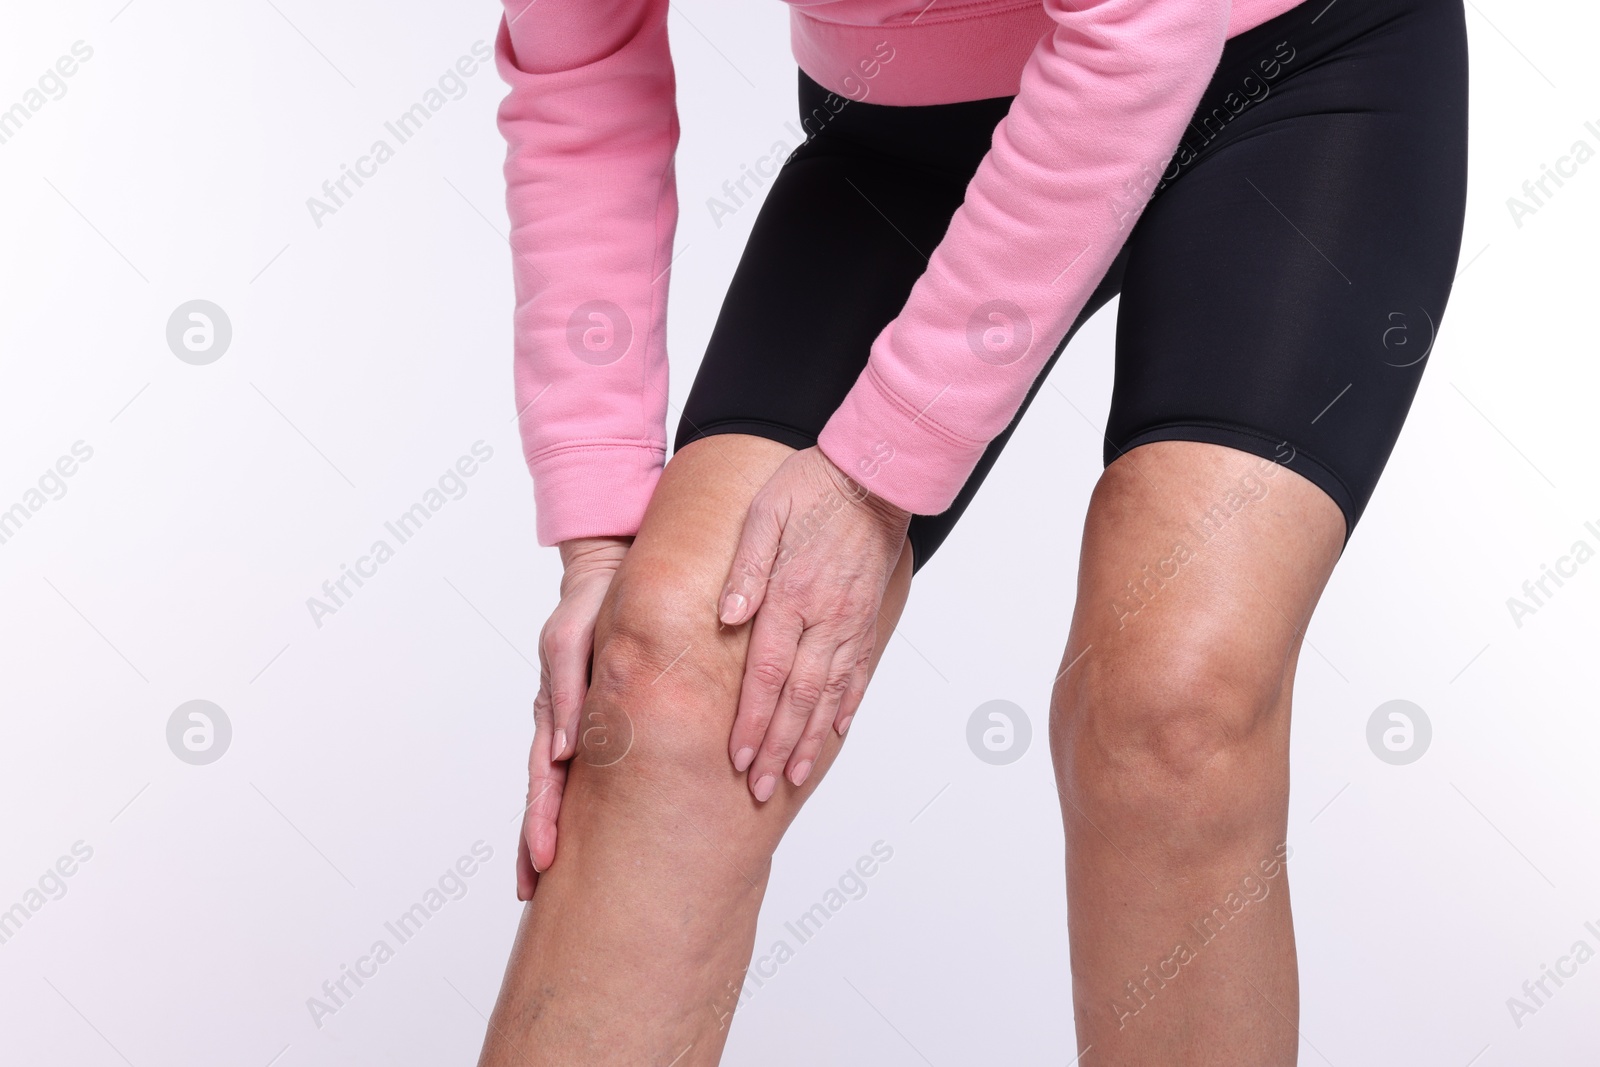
x=590, y=124
x=1102, y=105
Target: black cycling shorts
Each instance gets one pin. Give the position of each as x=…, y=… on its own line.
x=1280, y=291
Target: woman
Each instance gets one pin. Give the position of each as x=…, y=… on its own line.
x=1275, y=190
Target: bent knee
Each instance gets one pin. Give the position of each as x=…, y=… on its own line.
x=665, y=677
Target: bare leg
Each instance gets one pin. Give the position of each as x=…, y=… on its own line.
x=1170, y=733
x=634, y=947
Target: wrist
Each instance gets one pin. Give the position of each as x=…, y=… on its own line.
x=858, y=494
x=582, y=552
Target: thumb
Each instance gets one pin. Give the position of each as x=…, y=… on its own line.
x=753, y=560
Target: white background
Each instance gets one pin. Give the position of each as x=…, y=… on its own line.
x=372, y=752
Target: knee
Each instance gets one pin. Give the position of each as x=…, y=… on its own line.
x=664, y=681
x=1182, y=735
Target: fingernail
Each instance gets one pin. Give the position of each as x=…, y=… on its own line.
x=846, y=725
x=764, y=787
x=732, y=604
x=801, y=769
x=559, y=745
x=743, y=758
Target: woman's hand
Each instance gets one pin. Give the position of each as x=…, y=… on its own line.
x=813, y=561
x=565, y=644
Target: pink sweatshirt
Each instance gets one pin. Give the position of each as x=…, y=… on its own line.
x=1104, y=89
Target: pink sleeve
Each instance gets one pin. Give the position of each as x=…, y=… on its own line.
x=1103, y=101
x=591, y=126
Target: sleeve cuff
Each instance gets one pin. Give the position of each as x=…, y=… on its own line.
x=896, y=451
x=594, y=489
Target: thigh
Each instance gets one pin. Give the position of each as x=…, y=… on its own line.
x=1283, y=288
x=1201, y=559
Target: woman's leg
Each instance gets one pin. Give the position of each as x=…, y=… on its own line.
x=1279, y=302
x=1170, y=732
x=634, y=947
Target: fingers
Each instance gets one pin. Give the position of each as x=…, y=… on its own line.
x=746, y=586
x=792, y=692
x=853, y=693
x=527, y=877
x=801, y=696
x=544, y=802
x=566, y=645
x=774, y=640
x=835, y=686
x=546, y=781
x=856, y=689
